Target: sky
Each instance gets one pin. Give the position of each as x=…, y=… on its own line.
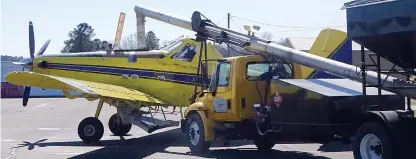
x=54, y=19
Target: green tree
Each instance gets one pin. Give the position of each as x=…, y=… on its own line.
x=130, y=42
x=152, y=42
x=100, y=45
x=80, y=40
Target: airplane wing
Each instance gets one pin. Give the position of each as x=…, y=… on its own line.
x=93, y=89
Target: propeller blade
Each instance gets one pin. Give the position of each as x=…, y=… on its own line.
x=26, y=94
x=43, y=48
x=31, y=40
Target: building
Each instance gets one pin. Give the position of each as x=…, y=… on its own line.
x=305, y=44
x=9, y=90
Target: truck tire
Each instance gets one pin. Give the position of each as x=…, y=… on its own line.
x=263, y=144
x=372, y=142
x=195, y=134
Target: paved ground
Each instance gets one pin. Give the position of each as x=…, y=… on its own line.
x=47, y=128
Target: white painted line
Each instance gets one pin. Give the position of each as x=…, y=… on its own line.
x=41, y=105
x=10, y=140
x=66, y=153
x=10, y=101
x=49, y=129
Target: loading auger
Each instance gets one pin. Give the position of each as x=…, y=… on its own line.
x=308, y=109
x=204, y=27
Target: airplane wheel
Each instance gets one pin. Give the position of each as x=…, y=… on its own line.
x=90, y=130
x=116, y=127
x=195, y=134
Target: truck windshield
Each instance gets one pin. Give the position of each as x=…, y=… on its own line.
x=254, y=70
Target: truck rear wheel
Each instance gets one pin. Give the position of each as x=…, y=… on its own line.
x=372, y=142
x=195, y=134
x=263, y=144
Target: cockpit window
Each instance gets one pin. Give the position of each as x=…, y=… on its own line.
x=186, y=53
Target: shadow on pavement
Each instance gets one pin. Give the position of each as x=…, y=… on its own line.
x=158, y=143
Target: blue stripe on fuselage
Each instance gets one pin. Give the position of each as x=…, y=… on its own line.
x=170, y=76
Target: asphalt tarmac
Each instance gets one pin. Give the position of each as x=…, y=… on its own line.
x=47, y=128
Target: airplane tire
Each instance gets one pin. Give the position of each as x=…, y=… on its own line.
x=90, y=130
x=195, y=135
x=372, y=140
x=117, y=128
x=263, y=144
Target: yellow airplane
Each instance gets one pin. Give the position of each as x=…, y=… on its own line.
x=135, y=80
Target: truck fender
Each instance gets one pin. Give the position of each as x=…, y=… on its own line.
x=200, y=108
x=391, y=119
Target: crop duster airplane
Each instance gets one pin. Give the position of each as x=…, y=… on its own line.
x=136, y=80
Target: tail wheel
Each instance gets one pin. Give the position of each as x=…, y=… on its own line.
x=195, y=134
x=117, y=127
x=90, y=130
x=263, y=144
x=372, y=142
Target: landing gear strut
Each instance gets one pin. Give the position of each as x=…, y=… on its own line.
x=91, y=129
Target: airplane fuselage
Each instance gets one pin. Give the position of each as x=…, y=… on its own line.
x=163, y=75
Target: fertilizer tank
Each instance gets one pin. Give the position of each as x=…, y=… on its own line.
x=392, y=84
x=385, y=27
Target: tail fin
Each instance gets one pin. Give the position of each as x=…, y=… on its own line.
x=332, y=44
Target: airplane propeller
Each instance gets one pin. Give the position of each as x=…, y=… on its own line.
x=28, y=62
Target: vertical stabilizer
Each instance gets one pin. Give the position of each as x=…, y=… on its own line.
x=332, y=44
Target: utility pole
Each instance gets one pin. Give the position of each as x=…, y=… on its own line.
x=229, y=16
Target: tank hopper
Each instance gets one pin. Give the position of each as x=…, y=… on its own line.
x=385, y=27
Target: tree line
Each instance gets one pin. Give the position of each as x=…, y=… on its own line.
x=11, y=58
x=82, y=39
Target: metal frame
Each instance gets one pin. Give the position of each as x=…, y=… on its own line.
x=377, y=64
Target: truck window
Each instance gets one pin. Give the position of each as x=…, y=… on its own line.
x=221, y=75
x=224, y=74
x=254, y=70
x=186, y=53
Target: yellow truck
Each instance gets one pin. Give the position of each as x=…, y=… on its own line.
x=257, y=98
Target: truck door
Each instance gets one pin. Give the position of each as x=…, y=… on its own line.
x=220, y=100
x=252, y=88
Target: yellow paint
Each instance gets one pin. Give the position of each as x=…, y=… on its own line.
x=113, y=85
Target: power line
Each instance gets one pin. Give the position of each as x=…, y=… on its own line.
x=220, y=21
x=284, y=26
x=236, y=24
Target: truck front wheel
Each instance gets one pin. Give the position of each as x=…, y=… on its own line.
x=195, y=134
x=372, y=142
